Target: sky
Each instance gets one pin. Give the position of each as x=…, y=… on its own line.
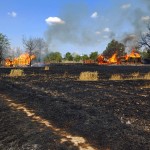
x=76, y=26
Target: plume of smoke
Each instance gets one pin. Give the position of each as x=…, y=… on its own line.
x=128, y=38
x=147, y=2
x=130, y=41
x=75, y=30
x=78, y=31
x=137, y=21
x=138, y=18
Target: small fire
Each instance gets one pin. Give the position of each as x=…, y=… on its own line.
x=101, y=59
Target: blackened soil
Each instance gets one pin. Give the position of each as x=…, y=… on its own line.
x=108, y=114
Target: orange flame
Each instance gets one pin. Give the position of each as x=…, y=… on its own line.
x=113, y=58
x=118, y=60
x=22, y=60
x=133, y=54
x=100, y=59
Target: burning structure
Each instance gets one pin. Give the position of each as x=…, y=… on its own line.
x=23, y=60
x=101, y=59
x=133, y=57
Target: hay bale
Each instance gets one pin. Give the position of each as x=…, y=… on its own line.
x=88, y=76
x=16, y=72
x=46, y=68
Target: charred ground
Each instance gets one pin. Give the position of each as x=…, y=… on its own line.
x=108, y=114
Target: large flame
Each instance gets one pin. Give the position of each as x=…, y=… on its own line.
x=22, y=60
x=133, y=54
x=118, y=60
x=102, y=60
x=113, y=59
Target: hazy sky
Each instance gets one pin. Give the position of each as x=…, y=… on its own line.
x=80, y=26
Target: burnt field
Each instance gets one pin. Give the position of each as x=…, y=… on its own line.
x=53, y=110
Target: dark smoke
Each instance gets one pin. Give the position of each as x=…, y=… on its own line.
x=129, y=37
x=130, y=41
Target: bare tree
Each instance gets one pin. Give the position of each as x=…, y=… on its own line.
x=40, y=48
x=145, y=39
x=30, y=46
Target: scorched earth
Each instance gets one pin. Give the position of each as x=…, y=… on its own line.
x=53, y=110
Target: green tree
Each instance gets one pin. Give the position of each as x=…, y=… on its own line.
x=77, y=58
x=68, y=56
x=93, y=55
x=41, y=48
x=114, y=47
x=85, y=57
x=53, y=57
x=145, y=54
x=4, y=45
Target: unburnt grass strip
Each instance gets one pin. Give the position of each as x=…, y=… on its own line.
x=133, y=76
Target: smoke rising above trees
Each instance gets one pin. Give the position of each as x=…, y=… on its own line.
x=79, y=26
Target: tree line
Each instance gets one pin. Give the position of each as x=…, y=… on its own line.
x=39, y=47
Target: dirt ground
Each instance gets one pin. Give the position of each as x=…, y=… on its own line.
x=53, y=110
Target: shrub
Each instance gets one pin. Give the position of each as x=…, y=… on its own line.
x=16, y=72
x=88, y=76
